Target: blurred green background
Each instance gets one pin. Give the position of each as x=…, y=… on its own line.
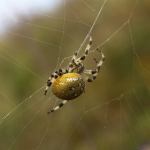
x=112, y=114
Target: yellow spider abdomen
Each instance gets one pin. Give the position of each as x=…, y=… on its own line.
x=68, y=86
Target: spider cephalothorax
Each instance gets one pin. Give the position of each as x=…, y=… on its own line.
x=69, y=83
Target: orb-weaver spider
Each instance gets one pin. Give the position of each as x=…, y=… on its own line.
x=69, y=83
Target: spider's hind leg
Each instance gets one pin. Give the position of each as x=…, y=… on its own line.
x=57, y=107
x=95, y=72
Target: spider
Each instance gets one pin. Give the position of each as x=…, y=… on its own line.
x=68, y=84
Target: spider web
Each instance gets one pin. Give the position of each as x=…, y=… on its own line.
x=113, y=113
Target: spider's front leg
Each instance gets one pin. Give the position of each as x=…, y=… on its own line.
x=79, y=60
x=72, y=63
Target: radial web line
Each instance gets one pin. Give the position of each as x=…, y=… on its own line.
x=127, y=22
x=26, y=126
x=59, y=18
x=73, y=12
x=20, y=64
x=134, y=47
x=20, y=105
x=137, y=120
x=46, y=128
x=23, y=111
x=115, y=99
x=35, y=25
x=141, y=105
x=55, y=69
x=106, y=111
x=7, y=98
x=47, y=29
x=29, y=38
x=112, y=35
x=76, y=15
x=61, y=38
x=129, y=126
x=72, y=132
x=120, y=124
x=92, y=26
x=87, y=5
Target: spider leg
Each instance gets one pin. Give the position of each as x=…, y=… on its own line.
x=79, y=60
x=95, y=72
x=49, y=82
x=72, y=64
x=74, y=57
x=89, y=71
x=57, y=107
x=54, y=76
x=75, y=62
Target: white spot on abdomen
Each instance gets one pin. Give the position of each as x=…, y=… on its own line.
x=72, y=79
